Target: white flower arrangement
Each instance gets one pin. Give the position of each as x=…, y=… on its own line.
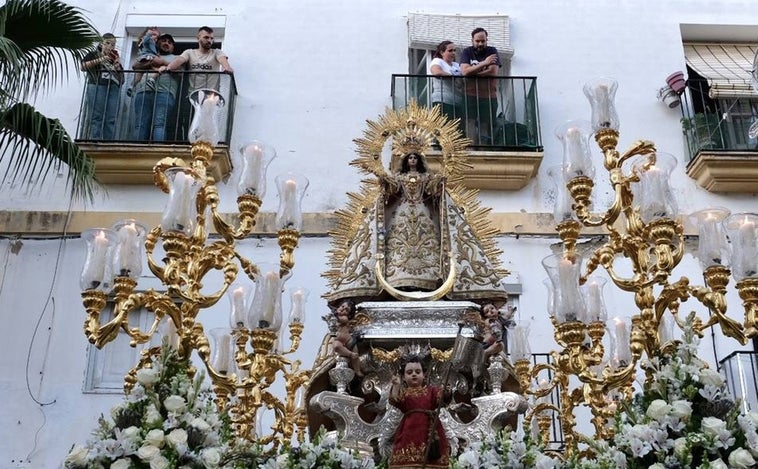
x=169, y=421
x=166, y=421
x=683, y=419
x=506, y=450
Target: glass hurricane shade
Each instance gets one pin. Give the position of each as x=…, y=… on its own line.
x=741, y=229
x=180, y=214
x=564, y=275
x=256, y=156
x=601, y=94
x=712, y=248
x=562, y=210
x=291, y=187
x=577, y=160
x=97, y=272
x=653, y=193
x=127, y=254
x=265, y=311
x=204, y=125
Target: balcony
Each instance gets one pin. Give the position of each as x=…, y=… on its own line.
x=722, y=157
x=126, y=133
x=740, y=370
x=500, y=115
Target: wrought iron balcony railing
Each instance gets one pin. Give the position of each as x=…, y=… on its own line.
x=740, y=370
x=717, y=124
x=498, y=113
x=154, y=110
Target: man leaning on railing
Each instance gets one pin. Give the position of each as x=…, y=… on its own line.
x=203, y=59
x=478, y=61
x=154, y=102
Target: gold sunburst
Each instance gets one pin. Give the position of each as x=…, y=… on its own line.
x=413, y=129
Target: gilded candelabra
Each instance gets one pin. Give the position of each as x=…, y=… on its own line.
x=645, y=236
x=245, y=360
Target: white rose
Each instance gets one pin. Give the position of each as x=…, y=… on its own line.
x=211, y=457
x=753, y=417
x=123, y=463
x=282, y=459
x=657, y=466
x=148, y=452
x=713, y=426
x=77, y=456
x=741, y=459
x=718, y=464
x=155, y=437
x=658, y=410
x=174, y=403
x=708, y=376
x=681, y=409
x=680, y=446
x=177, y=437
x=153, y=417
x=159, y=462
x=131, y=433
x=200, y=424
x=147, y=376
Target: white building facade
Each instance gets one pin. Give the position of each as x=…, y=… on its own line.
x=308, y=76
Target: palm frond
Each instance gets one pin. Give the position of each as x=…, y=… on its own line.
x=40, y=42
x=36, y=145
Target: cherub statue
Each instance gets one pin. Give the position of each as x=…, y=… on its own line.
x=496, y=324
x=345, y=338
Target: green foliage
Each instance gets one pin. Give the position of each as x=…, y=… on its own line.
x=40, y=42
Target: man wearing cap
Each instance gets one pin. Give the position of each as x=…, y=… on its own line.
x=104, y=78
x=153, y=106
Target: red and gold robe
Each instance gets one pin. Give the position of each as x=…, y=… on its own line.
x=409, y=447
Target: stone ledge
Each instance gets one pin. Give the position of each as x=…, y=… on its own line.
x=496, y=170
x=132, y=163
x=725, y=171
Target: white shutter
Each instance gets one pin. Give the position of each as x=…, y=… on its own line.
x=727, y=67
x=425, y=31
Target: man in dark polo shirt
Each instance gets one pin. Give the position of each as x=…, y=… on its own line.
x=478, y=62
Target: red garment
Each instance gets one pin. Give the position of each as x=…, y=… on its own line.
x=409, y=447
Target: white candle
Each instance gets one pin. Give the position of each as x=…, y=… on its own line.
x=656, y=193
x=298, y=307
x=238, y=308
x=568, y=295
x=520, y=344
x=602, y=98
x=206, y=129
x=710, y=241
x=749, y=257
x=128, y=250
x=623, y=351
x=251, y=175
x=290, y=209
x=575, y=152
x=223, y=354
x=594, y=301
x=94, y=271
x=171, y=334
x=271, y=291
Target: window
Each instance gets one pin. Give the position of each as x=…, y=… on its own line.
x=107, y=367
x=723, y=102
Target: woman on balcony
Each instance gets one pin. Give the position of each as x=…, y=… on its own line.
x=447, y=90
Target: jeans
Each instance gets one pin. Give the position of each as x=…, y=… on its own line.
x=151, y=113
x=102, y=108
